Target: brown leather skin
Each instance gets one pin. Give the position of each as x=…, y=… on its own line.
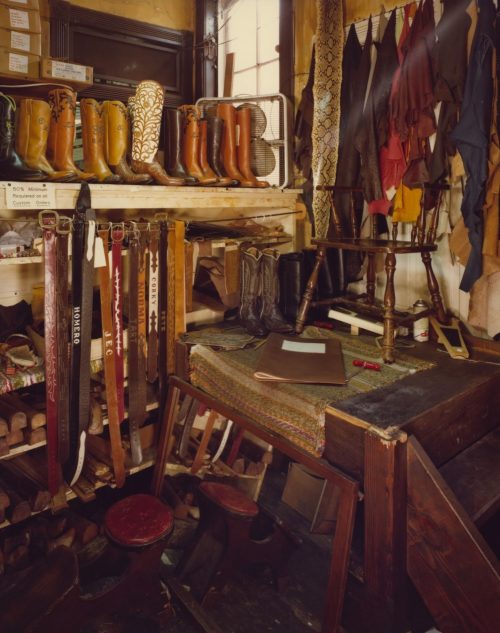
x=271, y=316
x=215, y=129
x=62, y=103
x=244, y=122
x=227, y=112
x=116, y=143
x=93, y=141
x=156, y=171
x=191, y=146
x=208, y=172
x=31, y=139
x=12, y=167
x=250, y=286
x=173, y=127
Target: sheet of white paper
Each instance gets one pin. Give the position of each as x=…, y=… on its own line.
x=303, y=347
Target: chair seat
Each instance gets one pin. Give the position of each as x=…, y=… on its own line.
x=138, y=520
x=229, y=498
x=375, y=246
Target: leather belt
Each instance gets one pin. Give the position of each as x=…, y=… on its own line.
x=84, y=226
x=162, y=314
x=135, y=414
x=48, y=222
x=143, y=228
x=63, y=231
x=117, y=237
x=108, y=352
x=152, y=358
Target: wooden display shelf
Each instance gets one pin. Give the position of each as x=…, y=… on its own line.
x=19, y=449
x=159, y=197
x=17, y=261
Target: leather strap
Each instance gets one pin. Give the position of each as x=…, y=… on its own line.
x=84, y=226
x=108, y=352
x=171, y=301
x=117, y=237
x=162, y=323
x=153, y=299
x=63, y=231
x=48, y=222
x=135, y=415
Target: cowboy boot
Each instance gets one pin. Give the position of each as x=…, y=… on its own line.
x=214, y=139
x=31, y=139
x=244, y=122
x=203, y=160
x=250, y=286
x=62, y=103
x=173, y=123
x=271, y=315
x=191, y=146
x=227, y=112
x=147, y=108
x=93, y=141
x=116, y=142
x=12, y=167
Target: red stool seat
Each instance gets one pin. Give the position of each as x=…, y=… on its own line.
x=138, y=520
x=230, y=499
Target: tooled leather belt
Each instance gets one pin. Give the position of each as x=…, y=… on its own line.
x=162, y=321
x=117, y=237
x=136, y=379
x=153, y=299
x=108, y=351
x=48, y=222
x=84, y=226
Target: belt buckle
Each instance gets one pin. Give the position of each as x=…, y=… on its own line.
x=117, y=232
x=64, y=225
x=48, y=219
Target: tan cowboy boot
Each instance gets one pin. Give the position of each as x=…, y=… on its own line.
x=244, y=121
x=147, y=109
x=116, y=142
x=191, y=146
x=93, y=141
x=62, y=103
x=227, y=113
x=31, y=139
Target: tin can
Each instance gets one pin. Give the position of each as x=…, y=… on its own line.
x=420, y=326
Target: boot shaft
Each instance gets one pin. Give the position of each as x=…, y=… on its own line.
x=62, y=102
x=33, y=129
x=250, y=274
x=173, y=140
x=147, y=110
x=204, y=164
x=7, y=126
x=215, y=130
x=116, y=131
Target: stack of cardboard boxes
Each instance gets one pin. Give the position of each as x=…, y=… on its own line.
x=20, y=38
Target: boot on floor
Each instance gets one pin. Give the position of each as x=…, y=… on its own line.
x=32, y=136
x=117, y=141
x=12, y=167
x=271, y=315
x=146, y=108
x=62, y=103
x=91, y=112
x=250, y=286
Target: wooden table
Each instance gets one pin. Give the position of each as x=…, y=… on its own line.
x=447, y=408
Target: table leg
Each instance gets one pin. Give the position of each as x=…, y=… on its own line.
x=309, y=291
x=166, y=429
x=389, y=302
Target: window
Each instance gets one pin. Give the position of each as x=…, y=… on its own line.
x=250, y=29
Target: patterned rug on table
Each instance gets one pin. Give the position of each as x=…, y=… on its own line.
x=295, y=411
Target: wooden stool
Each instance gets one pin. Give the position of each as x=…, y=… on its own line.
x=228, y=538
x=51, y=597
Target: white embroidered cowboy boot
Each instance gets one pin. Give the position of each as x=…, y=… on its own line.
x=147, y=109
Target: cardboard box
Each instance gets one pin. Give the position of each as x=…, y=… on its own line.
x=22, y=4
x=312, y=497
x=16, y=19
x=66, y=71
x=24, y=42
x=20, y=65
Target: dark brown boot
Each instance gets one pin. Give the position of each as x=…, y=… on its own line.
x=12, y=167
x=271, y=316
x=250, y=287
x=191, y=146
x=215, y=128
x=173, y=127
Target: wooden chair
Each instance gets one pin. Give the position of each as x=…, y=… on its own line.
x=423, y=237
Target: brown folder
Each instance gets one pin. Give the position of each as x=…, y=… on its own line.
x=311, y=361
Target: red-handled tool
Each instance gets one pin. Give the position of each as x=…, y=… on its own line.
x=364, y=364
